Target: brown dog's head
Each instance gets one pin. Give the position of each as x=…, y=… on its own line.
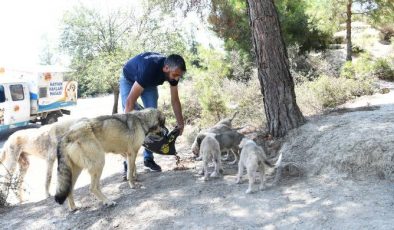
x=153, y=119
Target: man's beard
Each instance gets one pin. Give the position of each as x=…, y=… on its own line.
x=171, y=81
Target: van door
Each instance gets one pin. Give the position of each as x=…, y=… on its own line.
x=19, y=103
x=3, y=107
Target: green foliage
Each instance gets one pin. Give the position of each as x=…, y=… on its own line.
x=359, y=68
x=382, y=69
x=229, y=20
x=324, y=15
x=211, y=98
x=103, y=72
x=241, y=67
x=217, y=98
x=328, y=92
x=99, y=44
x=298, y=28
x=348, y=71
x=381, y=12
x=246, y=98
x=366, y=67
x=191, y=106
x=363, y=65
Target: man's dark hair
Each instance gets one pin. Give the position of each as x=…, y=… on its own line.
x=175, y=60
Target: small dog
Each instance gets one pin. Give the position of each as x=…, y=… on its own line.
x=217, y=129
x=210, y=151
x=253, y=158
x=229, y=142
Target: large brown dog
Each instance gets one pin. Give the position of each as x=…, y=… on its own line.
x=85, y=145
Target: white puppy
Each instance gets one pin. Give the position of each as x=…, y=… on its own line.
x=210, y=151
x=252, y=158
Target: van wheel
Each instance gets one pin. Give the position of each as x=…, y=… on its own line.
x=51, y=118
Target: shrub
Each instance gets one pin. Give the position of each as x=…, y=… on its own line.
x=366, y=67
x=191, y=108
x=309, y=66
x=386, y=32
x=363, y=65
x=348, y=71
x=328, y=92
x=382, y=69
x=205, y=100
x=246, y=98
x=331, y=91
x=211, y=99
x=307, y=100
x=7, y=188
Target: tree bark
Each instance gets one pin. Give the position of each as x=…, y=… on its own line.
x=277, y=86
x=349, y=30
x=116, y=99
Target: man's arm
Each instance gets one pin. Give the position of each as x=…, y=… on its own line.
x=134, y=94
x=176, y=106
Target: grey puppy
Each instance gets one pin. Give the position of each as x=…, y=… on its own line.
x=253, y=158
x=229, y=142
x=210, y=151
x=222, y=126
x=227, y=121
x=217, y=129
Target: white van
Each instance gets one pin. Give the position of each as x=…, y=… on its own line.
x=37, y=94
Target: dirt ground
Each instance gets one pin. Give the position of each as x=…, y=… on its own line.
x=179, y=199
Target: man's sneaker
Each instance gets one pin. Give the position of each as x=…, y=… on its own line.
x=152, y=165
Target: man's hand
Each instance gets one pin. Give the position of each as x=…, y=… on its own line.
x=176, y=106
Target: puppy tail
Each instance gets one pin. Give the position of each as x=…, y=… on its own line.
x=234, y=116
x=64, y=175
x=2, y=154
x=279, y=161
x=276, y=165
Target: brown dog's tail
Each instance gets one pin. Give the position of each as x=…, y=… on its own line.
x=64, y=175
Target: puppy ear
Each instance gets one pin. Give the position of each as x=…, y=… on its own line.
x=243, y=142
x=200, y=137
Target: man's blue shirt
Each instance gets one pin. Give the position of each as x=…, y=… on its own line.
x=146, y=69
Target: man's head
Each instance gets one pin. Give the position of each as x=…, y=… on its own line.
x=174, y=68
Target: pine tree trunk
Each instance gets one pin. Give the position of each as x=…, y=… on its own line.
x=277, y=86
x=349, y=30
x=116, y=99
